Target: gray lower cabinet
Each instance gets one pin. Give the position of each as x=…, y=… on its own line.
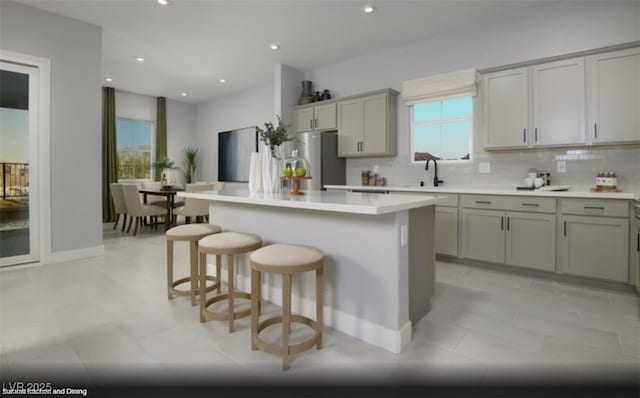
x=483, y=235
x=447, y=230
x=531, y=240
x=596, y=247
x=514, y=238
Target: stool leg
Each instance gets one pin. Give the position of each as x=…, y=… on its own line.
x=255, y=307
x=319, y=303
x=203, y=284
x=193, y=254
x=219, y=272
x=286, y=321
x=230, y=290
x=169, y=268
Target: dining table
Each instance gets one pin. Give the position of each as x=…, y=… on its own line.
x=170, y=194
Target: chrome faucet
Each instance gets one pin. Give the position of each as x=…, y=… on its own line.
x=436, y=180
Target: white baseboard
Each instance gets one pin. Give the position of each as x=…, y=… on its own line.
x=391, y=340
x=70, y=255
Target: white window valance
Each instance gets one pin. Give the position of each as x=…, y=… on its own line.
x=440, y=87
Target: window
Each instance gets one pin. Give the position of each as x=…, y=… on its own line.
x=442, y=129
x=133, y=138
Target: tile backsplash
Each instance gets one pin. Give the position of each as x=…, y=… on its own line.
x=509, y=168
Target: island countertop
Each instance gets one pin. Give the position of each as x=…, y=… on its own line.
x=335, y=201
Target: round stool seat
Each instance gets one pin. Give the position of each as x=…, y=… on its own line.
x=191, y=232
x=283, y=258
x=226, y=244
x=229, y=243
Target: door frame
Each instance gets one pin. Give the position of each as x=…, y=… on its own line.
x=42, y=149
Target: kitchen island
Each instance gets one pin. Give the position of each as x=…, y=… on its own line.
x=380, y=259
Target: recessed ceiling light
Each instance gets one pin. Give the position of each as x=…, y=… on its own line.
x=108, y=79
x=274, y=46
x=139, y=59
x=369, y=9
x=163, y=2
x=222, y=81
x=183, y=94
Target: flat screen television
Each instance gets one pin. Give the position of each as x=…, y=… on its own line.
x=234, y=153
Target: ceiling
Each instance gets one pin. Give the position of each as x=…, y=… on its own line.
x=189, y=45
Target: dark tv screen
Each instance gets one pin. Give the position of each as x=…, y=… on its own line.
x=234, y=153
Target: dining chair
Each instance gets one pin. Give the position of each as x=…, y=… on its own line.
x=194, y=207
x=157, y=200
x=137, y=210
x=119, y=204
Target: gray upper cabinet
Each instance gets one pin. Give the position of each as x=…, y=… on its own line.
x=506, y=109
x=614, y=88
x=559, y=103
x=316, y=118
x=367, y=125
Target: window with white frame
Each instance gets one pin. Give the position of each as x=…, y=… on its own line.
x=442, y=129
x=134, y=146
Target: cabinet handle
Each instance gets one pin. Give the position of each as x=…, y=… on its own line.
x=594, y=208
x=310, y=123
x=536, y=133
x=595, y=130
x=315, y=123
x=565, y=229
x=531, y=204
x=483, y=202
x=361, y=146
x=524, y=135
x=508, y=223
x=502, y=223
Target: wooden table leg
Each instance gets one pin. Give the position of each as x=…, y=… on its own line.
x=169, y=217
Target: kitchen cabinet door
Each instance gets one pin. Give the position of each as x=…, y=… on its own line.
x=350, y=127
x=304, y=120
x=374, y=140
x=615, y=97
x=559, y=103
x=531, y=240
x=596, y=247
x=506, y=109
x=325, y=117
x=483, y=235
x=447, y=230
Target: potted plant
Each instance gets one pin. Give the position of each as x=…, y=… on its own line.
x=274, y=137
x=165, y=165
x=190, y=154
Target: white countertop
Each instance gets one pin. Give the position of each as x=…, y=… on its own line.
x=493, y=191
x=335, y=201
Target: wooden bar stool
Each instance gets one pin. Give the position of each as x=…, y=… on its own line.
x=191, y=233
x=285, y=260
x=229, y=244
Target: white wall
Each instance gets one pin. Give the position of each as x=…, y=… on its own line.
x=181, y=123
x=74, y=49
x=548, y=30
x=181, y=133
x=252, y=107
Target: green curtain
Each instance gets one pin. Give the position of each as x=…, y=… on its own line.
x=161, y=133
x=109, y=154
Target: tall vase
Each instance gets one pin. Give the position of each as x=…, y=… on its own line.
x=307, y=92
x=271, y=169
x=255, y=172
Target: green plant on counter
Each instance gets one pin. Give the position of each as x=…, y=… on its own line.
x=190, y=154
x=274, y=137
x=164, y=163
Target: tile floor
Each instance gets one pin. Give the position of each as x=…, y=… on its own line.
x=107, y=319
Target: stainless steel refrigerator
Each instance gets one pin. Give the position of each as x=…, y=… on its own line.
x=321, y=150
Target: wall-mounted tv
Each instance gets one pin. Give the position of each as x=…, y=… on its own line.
x=234, y=153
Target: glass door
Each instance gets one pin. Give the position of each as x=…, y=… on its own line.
x=19, y=238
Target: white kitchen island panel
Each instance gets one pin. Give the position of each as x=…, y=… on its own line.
x=379, y=268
